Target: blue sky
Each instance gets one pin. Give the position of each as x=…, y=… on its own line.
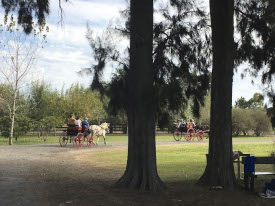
x=67, y=50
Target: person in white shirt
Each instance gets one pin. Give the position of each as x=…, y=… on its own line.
x=77, y=122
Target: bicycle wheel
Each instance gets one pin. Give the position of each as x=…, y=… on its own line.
x=190, y=134
x=177, y=135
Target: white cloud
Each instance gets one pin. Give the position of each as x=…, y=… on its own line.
x=67, y=50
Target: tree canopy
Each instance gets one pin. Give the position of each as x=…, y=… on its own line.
x=256, y=26
x=29, y=10
x=181, y=59
x=257, y=101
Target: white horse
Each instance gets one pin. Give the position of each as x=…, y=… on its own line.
x=100, y=131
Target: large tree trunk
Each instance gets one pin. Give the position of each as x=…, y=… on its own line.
x=219, y=169
x=141, y=171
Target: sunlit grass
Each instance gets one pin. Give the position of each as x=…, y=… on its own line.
x=25, y=140
x=185, y=162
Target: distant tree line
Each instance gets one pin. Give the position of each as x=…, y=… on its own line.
x=43, y=108
x=248, y=116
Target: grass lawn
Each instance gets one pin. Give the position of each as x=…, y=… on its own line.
x=185, y=162
x=25, y=140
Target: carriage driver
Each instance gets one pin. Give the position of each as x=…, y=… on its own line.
x=85, y=126
x=181, y=124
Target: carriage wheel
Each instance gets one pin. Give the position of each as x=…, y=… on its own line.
x=90, y=141
x=190, y=134
x=72, y=139
x=177, y=135
x=63, y=140
x=79, y=140
x=200, y=135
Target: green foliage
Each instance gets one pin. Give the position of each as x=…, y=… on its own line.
x=22, y=125
x=44, y=102
x=5, y=99
x=241, y=103
x=46, y=108
x=204, y=119
x=241, y=121
x=26, y=11
x=181, y=58
x=255, y=18
x=166, y=120
x=50, y=122
x=246, y=120
x=257, y=101
x=261, y=122
x=271, y=110
x=83, y=102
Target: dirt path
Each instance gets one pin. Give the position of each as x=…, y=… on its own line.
x=50, y=175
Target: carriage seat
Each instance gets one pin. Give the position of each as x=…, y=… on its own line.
x=73, y=130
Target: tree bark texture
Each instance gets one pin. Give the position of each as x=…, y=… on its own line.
x=13, y=109
x=219, y=169
x=12, y=122
x=141, y=170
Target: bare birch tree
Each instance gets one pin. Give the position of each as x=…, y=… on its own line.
x=18, y=54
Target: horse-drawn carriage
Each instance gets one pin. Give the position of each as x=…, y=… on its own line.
x=77, y=136
x=188, y=131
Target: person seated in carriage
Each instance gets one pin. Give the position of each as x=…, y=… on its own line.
x=72, y=129
x=77, y=122
x=181, y=125
x=71, y=121
x=193, y=123
x=85, y=126
x=190, y=124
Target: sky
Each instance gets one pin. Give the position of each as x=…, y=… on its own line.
x=67, y=50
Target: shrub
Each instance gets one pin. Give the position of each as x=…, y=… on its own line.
x=241, y=121
x=260, y=121
x=245, y=120
x=22, y=125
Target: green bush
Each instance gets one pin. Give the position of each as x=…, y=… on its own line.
x=246, y=120
x=47, y=124
x=22, y=125
x=260, y=122
x=241, y=121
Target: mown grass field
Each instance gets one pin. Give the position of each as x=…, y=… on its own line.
x=186, y=162
x=26, y=140
x=183, y=162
